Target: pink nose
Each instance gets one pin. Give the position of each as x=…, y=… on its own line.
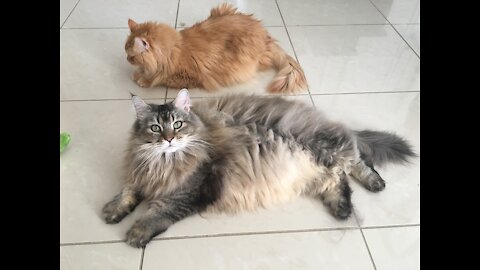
x=169, y=139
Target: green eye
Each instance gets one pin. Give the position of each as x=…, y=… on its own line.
x=155, y=128
x=177, y=125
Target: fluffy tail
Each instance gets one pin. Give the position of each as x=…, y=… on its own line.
x=382, y=147
x=222, y=10
x=290, y=77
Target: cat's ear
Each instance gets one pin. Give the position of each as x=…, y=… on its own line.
x=141, y=107
x=132, y=25
x=182, y=101
x=141, y=44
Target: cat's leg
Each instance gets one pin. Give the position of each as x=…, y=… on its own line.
x=335, y=193
x=121, y=205
x=161, y=214
x=366, y=175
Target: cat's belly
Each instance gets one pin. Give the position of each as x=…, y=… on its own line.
x=265, y=175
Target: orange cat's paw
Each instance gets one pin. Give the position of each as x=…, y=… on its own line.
x=142, y=82
x=136, y=75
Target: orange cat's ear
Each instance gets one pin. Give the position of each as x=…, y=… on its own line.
x=132, y=24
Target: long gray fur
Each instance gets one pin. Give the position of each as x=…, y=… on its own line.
x=238, y=153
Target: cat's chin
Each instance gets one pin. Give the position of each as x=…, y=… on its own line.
x=173, y=148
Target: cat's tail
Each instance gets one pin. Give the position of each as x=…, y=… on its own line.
x=223, y=10
x=382, y=147
x=290, y=77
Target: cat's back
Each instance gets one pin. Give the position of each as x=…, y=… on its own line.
x=231, y=27
x=268, y=110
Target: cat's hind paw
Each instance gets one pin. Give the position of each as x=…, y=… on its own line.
x=342, y=210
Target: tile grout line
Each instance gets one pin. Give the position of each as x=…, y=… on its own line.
x=92, y=243
x=95, y=28
x=293, y=25
x=141, y=258
x=214, y=236
x=109, y=99
x=365, y=241
x=334, y=24
x=391, y=25
x=176, y=17
x=364, y=93
x=176, y=21
x=309, y=94
x=69, y=14
x=390, y=226
x=405, y=41
x=249, y=233
x=293, y=48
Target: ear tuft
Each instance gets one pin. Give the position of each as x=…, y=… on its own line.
x=141, y=107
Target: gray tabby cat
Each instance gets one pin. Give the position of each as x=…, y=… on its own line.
x=239, y=153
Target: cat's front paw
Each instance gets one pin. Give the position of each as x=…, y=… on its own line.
x=141, y=234
x=136, y=75
x=137, y=237
x=111, y=214
x=142, y=82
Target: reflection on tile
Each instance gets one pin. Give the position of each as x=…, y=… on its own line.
x=193, y=11
x=308, y=250
x=313, y=12
x=93, y=65
x=394, y=248
x=351, y=59
x=115, y=256
x=112, y=14
x=399, y=11
x=411, y=33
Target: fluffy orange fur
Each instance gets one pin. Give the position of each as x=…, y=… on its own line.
x=227, y=48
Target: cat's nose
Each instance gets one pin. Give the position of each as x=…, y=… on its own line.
x=168, y=138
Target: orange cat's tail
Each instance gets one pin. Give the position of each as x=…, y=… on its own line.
x=222, y=10
x=290, y=77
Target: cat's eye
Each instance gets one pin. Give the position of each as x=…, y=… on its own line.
x=177, y=124
x=155, y=128
x=144, y=43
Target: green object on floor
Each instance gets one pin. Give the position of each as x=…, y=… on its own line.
x=64, y=140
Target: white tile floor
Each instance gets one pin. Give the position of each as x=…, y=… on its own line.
x=362, y=61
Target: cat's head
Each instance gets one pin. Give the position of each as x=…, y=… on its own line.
x=169, y=127
x=148, y=42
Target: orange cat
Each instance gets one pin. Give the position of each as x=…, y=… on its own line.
x=226, y=49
